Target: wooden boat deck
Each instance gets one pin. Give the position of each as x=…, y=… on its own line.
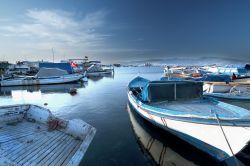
x=28, y=143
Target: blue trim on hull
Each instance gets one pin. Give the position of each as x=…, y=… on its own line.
x=225, y=120
x=212, y=151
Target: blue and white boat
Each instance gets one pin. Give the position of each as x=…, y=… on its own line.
x=221, y=130
x=232, y=91
x=45, y=76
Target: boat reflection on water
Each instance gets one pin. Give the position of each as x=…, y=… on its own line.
x=98, y=78
x=163, y=148
x=56, y=88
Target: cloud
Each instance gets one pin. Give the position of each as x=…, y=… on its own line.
x=71, y=34
x=56, y=28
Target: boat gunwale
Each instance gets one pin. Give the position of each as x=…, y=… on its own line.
x=213, y=151
x=228, y=96
x=192, y=119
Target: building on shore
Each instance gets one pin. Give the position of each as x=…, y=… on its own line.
x=3, y=66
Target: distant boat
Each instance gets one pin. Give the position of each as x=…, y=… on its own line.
x=97, y=70
x=227, y=91
x=222, y=87
x=242, y=79
x=31, y=135
x=219, y=129
x=43, y=77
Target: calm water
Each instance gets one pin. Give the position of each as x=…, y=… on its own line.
x=122, y=136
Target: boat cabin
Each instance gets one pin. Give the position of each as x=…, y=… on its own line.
x=158, y=91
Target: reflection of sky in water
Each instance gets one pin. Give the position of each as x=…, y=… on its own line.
x=95, y=93
x=101, y=103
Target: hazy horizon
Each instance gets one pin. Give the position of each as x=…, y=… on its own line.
x=117, y=31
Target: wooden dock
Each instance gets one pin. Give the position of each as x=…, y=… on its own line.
x=28, y=143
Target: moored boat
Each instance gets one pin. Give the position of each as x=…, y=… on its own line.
x=222, y=87
x=31, y=135
x=43, y=77
x=227, y=91
x=100, y=73
x=97, y=70
x=219, y=129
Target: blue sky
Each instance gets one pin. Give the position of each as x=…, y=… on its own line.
x=123, y=31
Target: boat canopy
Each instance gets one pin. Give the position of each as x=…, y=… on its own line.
x=62, y=66
x=138, y=82
x=157, y=91
x=49, y=72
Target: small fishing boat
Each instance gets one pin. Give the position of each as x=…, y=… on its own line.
x=222, y=87
x=45, y=76
x=219, y=129
x=100, y=73
x=31, y=135
x=236, y=92
x=242, y=79
x=97, y=70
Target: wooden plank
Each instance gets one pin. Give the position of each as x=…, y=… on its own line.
x=19, y=144
x=66, y=151
x=70, y=155
x=42, y=151
x=76, y=159
x=18, y=125
x=25, y=146
x=50, y=152
x=40, y=130
x=55, y=152
x=37, y=145
x=13, y=144
x=19, y=129
x=16, y=136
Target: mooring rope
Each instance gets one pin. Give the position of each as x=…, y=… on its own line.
x=224, y=134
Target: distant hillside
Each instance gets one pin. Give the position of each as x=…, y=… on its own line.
x=188, y=61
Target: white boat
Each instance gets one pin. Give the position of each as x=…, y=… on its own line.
x=54, y=88
x=222, y=87
x=237, y=92
x=245, y=79
x=96, y=70
x=31, y=135
x=43, y=77
x=219, y=129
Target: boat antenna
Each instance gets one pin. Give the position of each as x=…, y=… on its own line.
x=224, y=134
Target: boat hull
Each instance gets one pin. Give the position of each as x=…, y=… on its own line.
x=208, y=138
x=42, y=81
